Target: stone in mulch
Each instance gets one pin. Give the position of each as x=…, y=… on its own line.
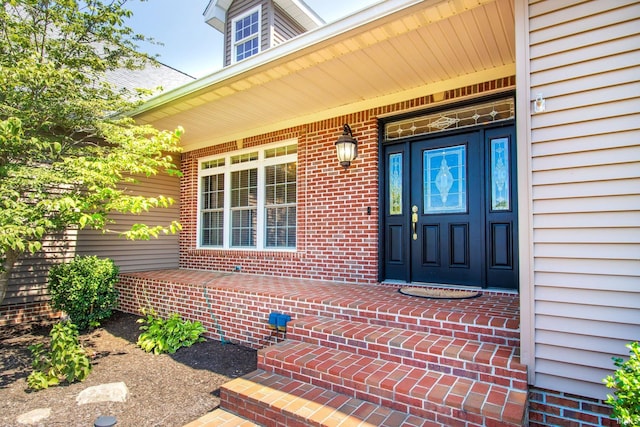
x=113, y=392
x=35, y=416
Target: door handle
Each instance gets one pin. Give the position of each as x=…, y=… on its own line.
x=414, y=221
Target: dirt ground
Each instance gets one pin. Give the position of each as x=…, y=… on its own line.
x=164, y=390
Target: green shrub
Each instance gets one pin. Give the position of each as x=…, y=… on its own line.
x=167, y=336
x=65, y=361
x=626, y=385
x=84, y=289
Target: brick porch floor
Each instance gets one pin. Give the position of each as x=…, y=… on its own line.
x=354, y=354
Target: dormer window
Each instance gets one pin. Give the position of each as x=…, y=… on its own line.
x=246, y=35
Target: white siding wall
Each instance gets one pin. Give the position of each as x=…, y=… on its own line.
x=160, y=253
x=585, y=189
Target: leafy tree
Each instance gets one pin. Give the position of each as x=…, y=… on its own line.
x=65, y=153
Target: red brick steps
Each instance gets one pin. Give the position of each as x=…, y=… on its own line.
x=376, y=358
x=422, y=392
x=488, y=362
x=274, y=400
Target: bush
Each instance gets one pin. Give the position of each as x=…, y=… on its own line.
x=167, y=336
x=84, y=289
x=626, y=385
x=66, y=360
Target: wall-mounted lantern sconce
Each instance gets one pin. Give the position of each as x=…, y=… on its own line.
x=347, y=147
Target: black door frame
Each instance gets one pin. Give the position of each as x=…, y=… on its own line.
x=405, y=146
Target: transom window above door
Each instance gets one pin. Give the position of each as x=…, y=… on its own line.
x=248, y=199
x=493, y=111
x=246, y=35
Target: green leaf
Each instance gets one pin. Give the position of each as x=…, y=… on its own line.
x=626, y=385
x=66, y=359
x=64, y=156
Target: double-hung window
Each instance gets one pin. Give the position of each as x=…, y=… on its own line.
x=246, y=35
x=247, y=200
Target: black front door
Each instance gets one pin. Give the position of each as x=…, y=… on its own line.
x=445, y=210
x=450, y=212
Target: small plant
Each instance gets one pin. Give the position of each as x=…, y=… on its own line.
x=167, y=336
x=65, y=361
x=626, y=385
x=84, y=289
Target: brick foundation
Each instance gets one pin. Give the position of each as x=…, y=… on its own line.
x=548, y=408
x=237, y=306
x=13, y=314
x=227, y=314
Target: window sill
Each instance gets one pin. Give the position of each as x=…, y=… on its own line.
x=246, y=253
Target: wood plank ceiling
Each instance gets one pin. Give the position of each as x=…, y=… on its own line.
x=397, y=50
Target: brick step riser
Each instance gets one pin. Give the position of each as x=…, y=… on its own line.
x=482, y=333
x=294, y=412
x=461, y=364
x=382, y=393
x=268, y=416
x=258, y=412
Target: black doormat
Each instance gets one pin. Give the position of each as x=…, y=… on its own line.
x=438, y=293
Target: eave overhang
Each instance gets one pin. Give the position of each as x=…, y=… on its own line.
x=393, y=51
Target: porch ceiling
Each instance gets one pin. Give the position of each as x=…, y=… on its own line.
x=392, y=51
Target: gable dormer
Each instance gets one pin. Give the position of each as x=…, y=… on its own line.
x=252, y=26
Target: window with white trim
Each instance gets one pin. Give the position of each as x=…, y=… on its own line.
x=248, y=200
x=246, y=35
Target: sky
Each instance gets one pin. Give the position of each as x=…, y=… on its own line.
x=192, y=46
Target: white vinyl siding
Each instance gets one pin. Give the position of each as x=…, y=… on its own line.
x=585, y=61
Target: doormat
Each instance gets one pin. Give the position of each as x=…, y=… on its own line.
x=437, y=293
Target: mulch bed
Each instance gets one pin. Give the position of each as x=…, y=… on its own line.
x=164, y=390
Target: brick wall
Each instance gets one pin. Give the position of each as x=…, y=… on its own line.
x=31, y=312
x=337, y=237
x=230, y=314
x=337, y=208
x=549, y=408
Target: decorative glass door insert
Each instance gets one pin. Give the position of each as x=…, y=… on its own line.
x=395, y=184
x=445, y=180
x=500, y=179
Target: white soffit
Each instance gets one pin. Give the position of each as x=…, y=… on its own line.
x=300, y=12
x=394, y=51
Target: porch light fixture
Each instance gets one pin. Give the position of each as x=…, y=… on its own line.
x=347, y=147
x=539, y=105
